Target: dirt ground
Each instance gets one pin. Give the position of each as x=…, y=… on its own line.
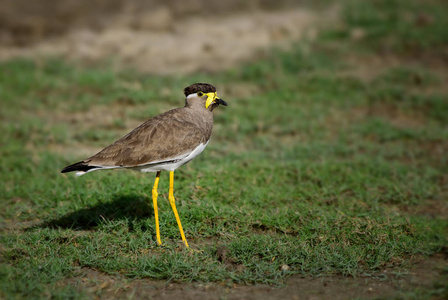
x=336, y=287
x=159, y=37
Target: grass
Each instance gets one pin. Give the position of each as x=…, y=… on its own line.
x=317, y=169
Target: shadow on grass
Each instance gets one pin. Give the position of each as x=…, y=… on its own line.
x=129, y=207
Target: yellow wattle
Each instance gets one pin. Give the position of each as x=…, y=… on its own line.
x=210, y=98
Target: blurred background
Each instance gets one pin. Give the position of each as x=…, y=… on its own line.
x=152, y=36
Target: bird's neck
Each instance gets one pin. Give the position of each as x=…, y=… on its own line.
x=202, y=117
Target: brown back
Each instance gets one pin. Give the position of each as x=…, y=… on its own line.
x=163, y=137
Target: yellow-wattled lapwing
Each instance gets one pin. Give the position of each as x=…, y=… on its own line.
x=163, y=143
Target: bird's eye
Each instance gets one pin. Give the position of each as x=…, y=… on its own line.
x=200, y=94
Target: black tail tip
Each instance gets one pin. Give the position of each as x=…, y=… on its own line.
x=79, y=166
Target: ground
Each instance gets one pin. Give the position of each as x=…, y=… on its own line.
x=166, y=39
x=420, y=277
x=326, y=176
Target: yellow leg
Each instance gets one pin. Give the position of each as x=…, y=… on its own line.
x=156, y=211
x=173, y=206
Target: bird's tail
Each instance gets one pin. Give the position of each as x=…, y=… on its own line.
x=81, y=168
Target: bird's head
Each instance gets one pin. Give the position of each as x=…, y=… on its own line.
x=203, y=93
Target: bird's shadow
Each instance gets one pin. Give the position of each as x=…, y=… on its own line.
x=121, y=207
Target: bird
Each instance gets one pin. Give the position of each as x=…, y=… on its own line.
x=163, y=143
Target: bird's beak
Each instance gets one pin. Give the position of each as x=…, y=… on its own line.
x=213, y=98
x=220, y=101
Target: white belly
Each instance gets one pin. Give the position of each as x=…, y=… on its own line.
x=178, y=161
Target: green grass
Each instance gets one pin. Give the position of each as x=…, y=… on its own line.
x=403, y=27
x=318, y=169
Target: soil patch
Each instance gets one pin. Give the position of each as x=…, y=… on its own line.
x=158, y=39
x=385, y=285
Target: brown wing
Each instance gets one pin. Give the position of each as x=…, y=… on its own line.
x=161, y=138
